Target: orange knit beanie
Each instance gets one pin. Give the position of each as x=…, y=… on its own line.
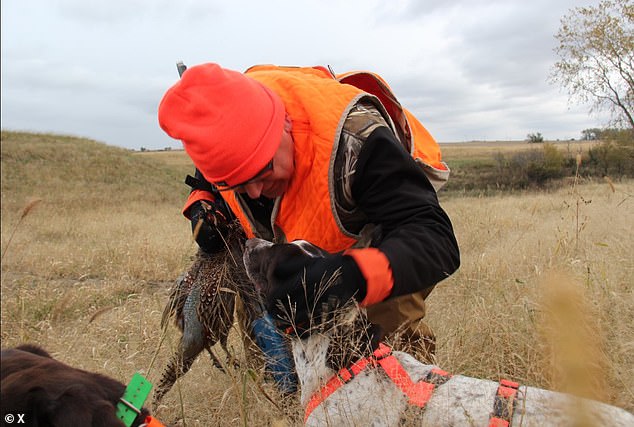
x=230, y=124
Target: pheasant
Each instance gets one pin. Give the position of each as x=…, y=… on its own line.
x=202, y=304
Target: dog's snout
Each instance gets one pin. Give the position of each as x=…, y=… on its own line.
x=253, y=259
x=253, y=243
x=256, y=243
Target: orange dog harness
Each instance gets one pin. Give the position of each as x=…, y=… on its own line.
x=418, y=393
x=504, y=404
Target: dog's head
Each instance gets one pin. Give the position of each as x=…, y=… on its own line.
x=349, y=331
x=262, y=257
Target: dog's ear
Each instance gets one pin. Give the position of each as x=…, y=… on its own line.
x=282, y=260
x=32, y=348
x=309, y=249
x=352, y=336
x=266, y=263
x=58, y=409
x=99, y=413
x=285, y=258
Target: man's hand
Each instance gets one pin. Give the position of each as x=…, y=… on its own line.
x=307, y=286
x=209, y=225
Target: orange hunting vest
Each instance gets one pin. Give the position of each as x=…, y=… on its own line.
x=318, y=103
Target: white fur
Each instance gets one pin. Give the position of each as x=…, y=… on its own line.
x=372, y=398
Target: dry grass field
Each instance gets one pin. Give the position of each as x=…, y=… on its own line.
x=487, y=149
x=455, y=152
x=92, y=239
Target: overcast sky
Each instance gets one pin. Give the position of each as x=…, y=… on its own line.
x=468, y=69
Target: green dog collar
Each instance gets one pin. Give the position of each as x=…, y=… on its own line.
x=130, y=404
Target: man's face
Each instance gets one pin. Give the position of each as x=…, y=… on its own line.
x=275, y=182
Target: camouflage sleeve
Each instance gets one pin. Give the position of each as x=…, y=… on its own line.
x=362, y=120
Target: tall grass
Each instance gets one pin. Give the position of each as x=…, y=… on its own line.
x=490, y=316
x=544, y=295
x=103, y=211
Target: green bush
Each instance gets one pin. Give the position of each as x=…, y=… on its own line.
x=535, y=137
x=540, y=166
x=531, y=168
x=609, y=159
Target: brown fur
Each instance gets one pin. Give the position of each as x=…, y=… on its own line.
x=51, y=393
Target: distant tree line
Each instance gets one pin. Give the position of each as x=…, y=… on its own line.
x=143, y=149
x=613, y=156
x=550, y=165
x=609, y=134
x=592, y=134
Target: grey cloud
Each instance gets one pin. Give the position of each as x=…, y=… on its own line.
x=469, y=68
x=91, y=12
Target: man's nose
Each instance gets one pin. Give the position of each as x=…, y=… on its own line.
x=254, y=189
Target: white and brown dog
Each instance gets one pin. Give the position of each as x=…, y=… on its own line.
x=344, y=382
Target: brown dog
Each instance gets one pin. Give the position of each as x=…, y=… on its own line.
x=38, y=390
